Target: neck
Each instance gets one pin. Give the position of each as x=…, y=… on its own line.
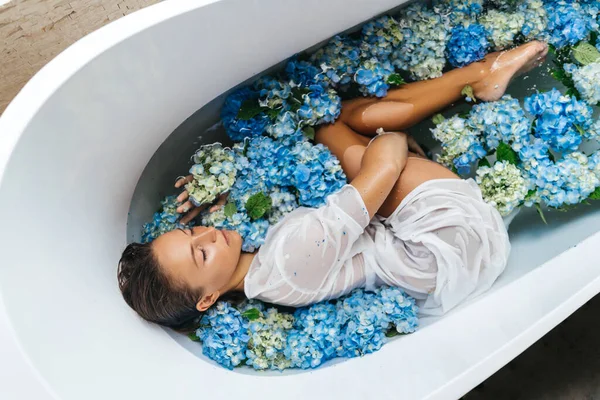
x=236, y=283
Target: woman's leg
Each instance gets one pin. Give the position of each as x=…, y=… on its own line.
x=349, y=147
x=413, y=102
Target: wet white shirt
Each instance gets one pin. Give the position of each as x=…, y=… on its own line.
x=442, y=245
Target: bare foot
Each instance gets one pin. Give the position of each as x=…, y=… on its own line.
x=499, y=68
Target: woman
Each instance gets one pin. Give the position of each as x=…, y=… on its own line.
x=402, y=220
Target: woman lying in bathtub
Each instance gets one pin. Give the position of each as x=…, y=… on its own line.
x=402, y=220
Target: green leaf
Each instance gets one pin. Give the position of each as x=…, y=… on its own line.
x=585, y=53
x=580, y=130
x=484, y=162
x=272, y=113
x=595, y=195
x=258, y=205
x=251, y=314
x=249, y=109
x=230, y=209
x=505, y=153
x=309, y=132
x=538, y=208
x=192, y=336
x=392, y=333
x=551, y=157
x=530, y=194
x=396, y=80
x=593, y=38
x=467, y=91
x=438, y=119
x=464, y=114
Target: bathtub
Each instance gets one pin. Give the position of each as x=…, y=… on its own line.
x=73, y=146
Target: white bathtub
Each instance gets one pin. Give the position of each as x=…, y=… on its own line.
x=73, y=145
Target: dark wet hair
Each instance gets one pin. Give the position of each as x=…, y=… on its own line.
x=150, y=292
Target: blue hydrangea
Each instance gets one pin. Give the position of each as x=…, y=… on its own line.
x=459, y=11
x=303, y=73
x=568, y=22
x=236, y=128
x=338, y=60
x=317, y=173
x=380, y=37
x=320, y=105
x=561, y=121
x=285, y=125
x=372, y=77
x=163, y=221
x=467, y=44
x=224, y=335
x=536, y=19
x=501, y=121
x=423, y=46
x=273, y=92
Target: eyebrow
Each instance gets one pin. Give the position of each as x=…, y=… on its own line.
x=191, y=248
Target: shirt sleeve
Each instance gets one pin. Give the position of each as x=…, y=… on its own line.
x=307, y=257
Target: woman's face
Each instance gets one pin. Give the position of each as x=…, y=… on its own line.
x=199, y=258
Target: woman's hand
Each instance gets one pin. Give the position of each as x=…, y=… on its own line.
x=188, y=208
x=414, y=147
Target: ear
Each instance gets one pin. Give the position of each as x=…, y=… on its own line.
x=207, y=301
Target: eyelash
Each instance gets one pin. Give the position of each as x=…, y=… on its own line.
x=203, y=253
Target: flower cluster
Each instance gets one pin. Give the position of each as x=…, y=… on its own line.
x=561, y=121
x=500, y=121
x=338, y=60
x=586, y=79
x=267, y=338
x=224, y=335
x=163, y=221
x=503, y=186
x=213, y=171
x=467, y=44
x=502, y=27
x=372, y=76
x=461, y=144
x=459, y=11
x=380, y=37
x=319, y=106
x=565, y=182
x=570, y=21
x=536, y=19
x=236, y=127
x=423, y=47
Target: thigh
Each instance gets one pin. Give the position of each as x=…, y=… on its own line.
x=349, y=147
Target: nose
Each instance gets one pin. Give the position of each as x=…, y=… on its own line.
x=205, y=233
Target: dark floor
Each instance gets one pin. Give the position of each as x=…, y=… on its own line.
x=564, y=364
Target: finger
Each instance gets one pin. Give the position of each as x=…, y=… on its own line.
x=216, y=207
x=222, y=199
x=183, y=196
x=191, y=215
x=185, y=207
x=182, y=181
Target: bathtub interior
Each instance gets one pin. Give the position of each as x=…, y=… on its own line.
x=533, y=241
x=73, y=155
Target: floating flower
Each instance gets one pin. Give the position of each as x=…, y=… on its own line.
x=467, y=44
x=586, y=79
x=320, y=105
x=422, y=50
x=338, y=61
x=459, y=11
x=268, y=339
x=536, y=19
x=501, y=121
x=561, y=121
x=461, y=144
x=213, y=171
x=568, y=22
x=224, y=335
x=380, y=37
x=236, y=127
x=372, y=76
x=163, y=221
x=502, y=27
x=503, y=186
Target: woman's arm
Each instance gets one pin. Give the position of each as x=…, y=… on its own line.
x=382, y=163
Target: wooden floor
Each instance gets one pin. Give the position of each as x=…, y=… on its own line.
x=32, y=32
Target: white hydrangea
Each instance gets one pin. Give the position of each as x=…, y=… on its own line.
x=456, y=137
x=587, y=81
x=502, y=27
x=268, y=339
x=213, y=171
x=502, y=186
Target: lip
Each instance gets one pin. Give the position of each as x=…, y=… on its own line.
x=225, y=236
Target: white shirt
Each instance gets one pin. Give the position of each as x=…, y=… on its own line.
x=442, y=245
